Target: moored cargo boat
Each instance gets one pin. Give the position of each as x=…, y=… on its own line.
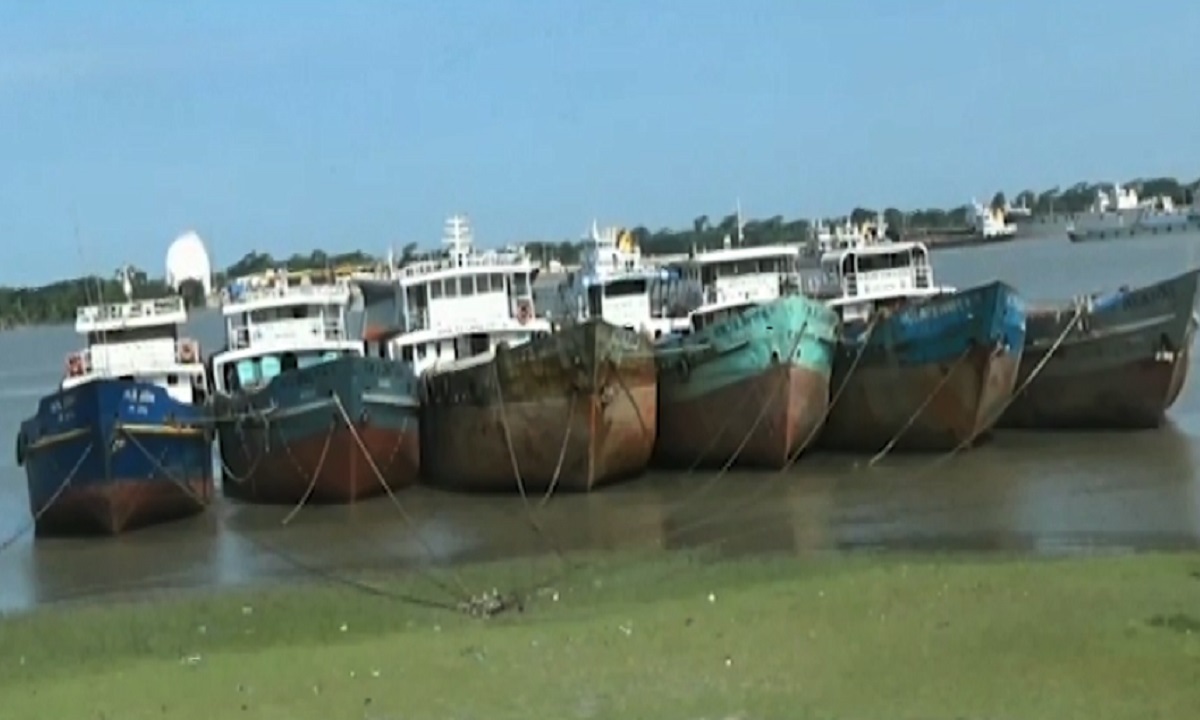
x=571, y=410
x=302, y=415
x=1107, y=361
x=451, y=309
x=122, y=443
x=747, y=381
x=748, y=386
x=919, y=367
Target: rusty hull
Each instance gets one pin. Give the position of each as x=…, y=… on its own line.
x=1111, y=361
x=115, y=507
x=882, y=402
x=1133, y=394
x=787, y=402
x=571, y=410
x=260, y=466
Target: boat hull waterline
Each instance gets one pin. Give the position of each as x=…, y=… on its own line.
x=751, y=390
x=933, y=376
x=113, y=455
x=337, y=432
x=1120, y=365
x=569, y=411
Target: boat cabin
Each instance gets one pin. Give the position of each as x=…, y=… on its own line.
x=278, y=322
x=138, y=340
x=855, y=281
x=461, y=304
x=614, y=284
x=750, y=274
x=708, y=315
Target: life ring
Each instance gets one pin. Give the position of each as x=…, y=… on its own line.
x=524, y=312
x=74, y=365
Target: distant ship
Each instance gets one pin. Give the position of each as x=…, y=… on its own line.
x=1117, y=211
x=985, y=225
x=1157, y=216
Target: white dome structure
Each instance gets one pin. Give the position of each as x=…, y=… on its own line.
x=187, y=259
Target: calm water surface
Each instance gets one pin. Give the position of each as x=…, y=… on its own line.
x=1036, y=493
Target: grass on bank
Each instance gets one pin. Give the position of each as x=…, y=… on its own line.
x=660, y=637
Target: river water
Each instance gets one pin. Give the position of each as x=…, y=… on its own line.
x=1023, y=492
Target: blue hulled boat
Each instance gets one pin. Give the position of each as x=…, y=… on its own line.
x=122, y=443
x=918, y=367
x=302, y=413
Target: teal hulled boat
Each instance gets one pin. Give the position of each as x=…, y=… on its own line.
x=748, y=382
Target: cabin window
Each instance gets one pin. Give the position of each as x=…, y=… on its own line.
x=497, y=282
x=451, y=287
x=406, y=353
x=247, y=372
x=230, y=375
x=289, y=362
x=435, y=289
x=621, y=288
x=269, y=367
x=594, y=305
x=520, y=284
x=172, y=379
x=888, y=261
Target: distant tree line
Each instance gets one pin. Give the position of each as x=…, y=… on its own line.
x=57, y=302
x=707, y=233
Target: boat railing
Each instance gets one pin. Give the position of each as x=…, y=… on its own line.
x=474, y=260
x=121, y=359
x=337, y=293
x=135, y=310
x=282, y=331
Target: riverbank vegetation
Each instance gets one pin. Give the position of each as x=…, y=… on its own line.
x=665, y=636
x=57, y=302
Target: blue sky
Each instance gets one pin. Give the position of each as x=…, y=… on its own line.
x=279, y=127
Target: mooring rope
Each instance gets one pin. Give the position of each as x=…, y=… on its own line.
x=762, y=413
x=562, y=452
x=408, y=519
x=1080, y=311
x=887, y=448
x=751, y=498
x=158, y=466
x=31, y=524
x=316, y=473
x=515, y=461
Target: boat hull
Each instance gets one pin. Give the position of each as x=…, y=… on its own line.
x=336, y=432
x=114, y=455
x=570, y=411
x=751, y=390
x=933, y=376
x=1115, y=230
x=1121, y=366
